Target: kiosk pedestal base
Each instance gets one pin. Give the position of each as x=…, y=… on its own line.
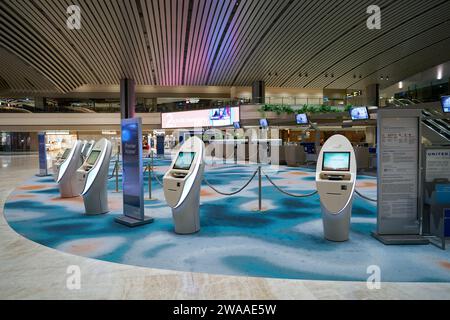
x=336, y=227
x=132, y=222
x=400, y=239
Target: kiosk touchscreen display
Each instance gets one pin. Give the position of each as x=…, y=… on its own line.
x=184, y=160
x=93, y=157
x=65, y=154
x=336, y=161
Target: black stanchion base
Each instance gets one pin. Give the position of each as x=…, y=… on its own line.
x=400, y=239
x=43, y=175
x=131, y=222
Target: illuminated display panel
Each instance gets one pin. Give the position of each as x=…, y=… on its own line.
x=336, y=161
x=301, y=118
x=445, y=101
x=359, y=113
x=184, y=160
x=93, y=157
x=218, y=117
x=66, y=153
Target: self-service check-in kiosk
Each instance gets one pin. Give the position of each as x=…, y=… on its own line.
x=182, y=184
x=93, y=176
x=335, y=179
x=66, y=169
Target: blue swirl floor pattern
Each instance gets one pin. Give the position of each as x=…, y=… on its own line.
x=285, y=240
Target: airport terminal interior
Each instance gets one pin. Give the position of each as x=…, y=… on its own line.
x=241, y=149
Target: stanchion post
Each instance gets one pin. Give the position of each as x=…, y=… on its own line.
x=150, y=174
x=149, y=180
x=259, y=189
x=116, y=168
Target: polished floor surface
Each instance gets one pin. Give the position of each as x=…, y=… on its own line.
x=30, y=270
x=283, y=240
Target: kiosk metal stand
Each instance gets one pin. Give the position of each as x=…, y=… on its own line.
x=93, y=175
x=182, y=184
x=335, y=179
x=132, y=175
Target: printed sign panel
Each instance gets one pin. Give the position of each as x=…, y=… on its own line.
x=132, y=178
x=437, y=164
x=398, y=172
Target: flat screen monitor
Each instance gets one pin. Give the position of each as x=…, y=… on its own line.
x=93, y=157
x=66, y=153
x=359, y=113
x=445, y=101
x=336, y=161
x=184, y=160
x=237, y=125
x=263, y=123
x=301, y=118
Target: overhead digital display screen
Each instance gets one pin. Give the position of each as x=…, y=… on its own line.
x=184, y=160
x=445, y=101
x=218, y=117
x=336, y=161
x=263, y=123
x=301, y=118
x=93, y=157
x=359, y=113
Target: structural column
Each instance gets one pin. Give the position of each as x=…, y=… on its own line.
x=127, y=98
x=258, y=92
x=40, y=103
x=372, y=94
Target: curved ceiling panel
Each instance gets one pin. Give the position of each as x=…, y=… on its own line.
x=287, y=43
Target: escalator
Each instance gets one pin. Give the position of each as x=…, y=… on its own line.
x=437, y=131
x=435, y=127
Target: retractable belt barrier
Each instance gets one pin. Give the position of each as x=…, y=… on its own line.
x=115, y=173
x=288, y=193
x=365, y=197
x=234, y=192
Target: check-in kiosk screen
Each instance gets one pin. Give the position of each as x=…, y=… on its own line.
x=184, y=160
x=93, y=157
x=66, y=153
x=336, y=161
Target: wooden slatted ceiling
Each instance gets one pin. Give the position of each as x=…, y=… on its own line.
x=219, y=42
